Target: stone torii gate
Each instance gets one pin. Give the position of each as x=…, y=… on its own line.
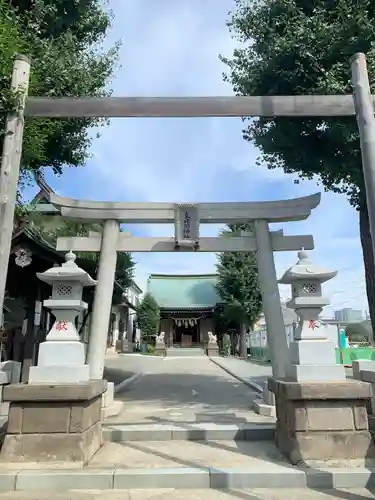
x=186, y=218
x=300, y=435
x=268, y=106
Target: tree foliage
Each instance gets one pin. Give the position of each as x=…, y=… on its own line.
x=125, y=264
x=296, y=47
x=148, y=316
x=238, y=287
x=63, y=40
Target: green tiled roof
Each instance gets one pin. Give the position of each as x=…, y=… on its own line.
x=190, y=291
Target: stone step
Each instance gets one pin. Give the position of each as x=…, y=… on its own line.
x=116, y=433
x=196, y=494
x=185, y=352
x=109, y=479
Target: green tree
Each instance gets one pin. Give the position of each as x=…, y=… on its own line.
x=125, y=264
x=148, y=316
x=296, y=47
x=238, y=287
x=43, y=228
x=63, y=40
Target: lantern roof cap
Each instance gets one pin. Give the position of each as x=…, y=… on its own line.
x=68, y=271
x=305, y=269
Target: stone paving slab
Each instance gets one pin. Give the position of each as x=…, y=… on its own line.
x=189, y=431
x=34, y=480
x=196, y=494
x=215, y=478
x=185, y=390
x=165, y=454
x=248, y=372
x=162, y=478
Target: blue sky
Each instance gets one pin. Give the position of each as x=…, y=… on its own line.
x=171, y=48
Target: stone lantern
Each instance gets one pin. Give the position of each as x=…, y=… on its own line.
x=312, y=355
x=320, y=415
x=61, y=357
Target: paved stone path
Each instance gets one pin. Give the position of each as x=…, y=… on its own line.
x=251, y=371
x=171, y=494
x=120, y=367
x=245, y=455
x=183, y=390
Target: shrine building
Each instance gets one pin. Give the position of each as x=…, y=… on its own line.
x=187, y=305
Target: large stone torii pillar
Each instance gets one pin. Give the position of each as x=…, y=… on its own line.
x=102, y=307
x=112, y=241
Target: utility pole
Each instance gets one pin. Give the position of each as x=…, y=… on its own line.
x=364, y=109
x=10, y=166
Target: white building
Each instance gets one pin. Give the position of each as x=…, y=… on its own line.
x=348, y=314
x=123, y=318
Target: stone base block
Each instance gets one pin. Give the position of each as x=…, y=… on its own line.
x=322, y=420
x=126, y=346
x=109, y=395
x=344, y=445
x=57, y=353
x=59, y=374
x=262, y=408
x=77, y=447
x=212, y=351
x=268, y=396
x=369, y=376
x=53, y=423
x=110, y=407
x=303, y=351
x=4, y=409
x=13, y=368
x=113, y=410
x=160, y=350
x=318, y=373
x=359, y=365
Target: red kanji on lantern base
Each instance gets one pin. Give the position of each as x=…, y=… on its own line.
x=61, y=325
x=312, y=324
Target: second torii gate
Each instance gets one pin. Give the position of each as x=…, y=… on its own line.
x=186, y=218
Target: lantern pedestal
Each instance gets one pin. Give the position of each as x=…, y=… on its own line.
x=320, y=414
x=61, y=361
x=314, y=360
x=56, y=416
x=312, y=355
x=322, y=420
x=59, y=374
x=61, y=357
x=53, y=423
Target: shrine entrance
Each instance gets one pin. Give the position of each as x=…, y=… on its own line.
x=185, y=332
x=187, y=218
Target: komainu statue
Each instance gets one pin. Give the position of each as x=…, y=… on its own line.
x=160, y=339
x=212, y=339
